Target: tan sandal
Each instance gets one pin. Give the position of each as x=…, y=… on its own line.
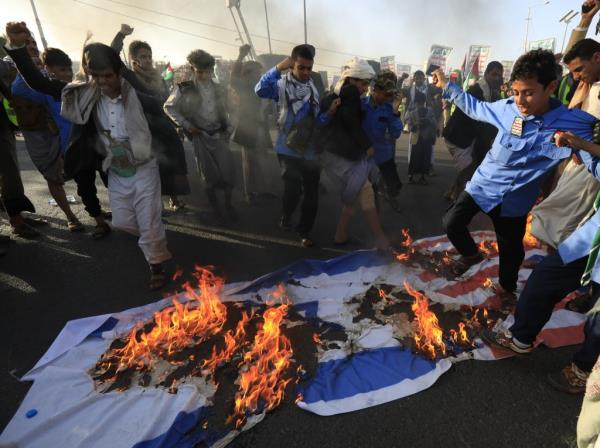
x=75, y=226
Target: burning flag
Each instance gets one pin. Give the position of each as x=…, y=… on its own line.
x=248, y=357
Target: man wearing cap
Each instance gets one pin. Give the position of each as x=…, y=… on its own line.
x=383, y=126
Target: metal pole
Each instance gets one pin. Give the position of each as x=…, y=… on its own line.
x=305, y=33
x=236, y=26
x=39, y=25
x=527, y=30
x=268, y=29
x=252, y=51
x=564, y=37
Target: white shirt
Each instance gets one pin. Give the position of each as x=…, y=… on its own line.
x=110, y=116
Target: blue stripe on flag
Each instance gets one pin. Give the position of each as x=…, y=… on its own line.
x=185, y=432
x=108, y=325
x=364, y=372
x=308, y=268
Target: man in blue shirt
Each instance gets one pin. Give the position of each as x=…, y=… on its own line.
x=508, y=181
x=46, y=147
x=383, y=127
x=298, y=101
x=575, y=264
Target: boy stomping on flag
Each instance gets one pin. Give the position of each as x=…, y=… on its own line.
x=508, y=181
x=575, y=264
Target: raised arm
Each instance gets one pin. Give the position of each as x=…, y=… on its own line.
x=471, y=106
x=17, y=37
x=267, y=85
x=117, y=42
x=580, y=31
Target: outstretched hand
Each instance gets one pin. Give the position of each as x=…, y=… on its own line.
x=591, y=8
x=439, y=78
x=244, y=51
x=17, y=34
x=126, y=30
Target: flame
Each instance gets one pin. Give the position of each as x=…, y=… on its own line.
x=488, y=283
x=316, y=338
x=233, y=342
x=178, y=273
x=279, y=295
x=402, y=257
x=529, y=239
x=261, y=382
x=446, y=260
x=407, y=246
x=176, y=327
x=488, y=247
x=429, y=337
x=408, y=240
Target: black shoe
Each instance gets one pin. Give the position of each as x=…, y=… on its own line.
x=285, y=223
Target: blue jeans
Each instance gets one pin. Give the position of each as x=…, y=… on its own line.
x=549, y=283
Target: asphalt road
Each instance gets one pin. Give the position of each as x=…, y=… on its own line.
x=64, y=276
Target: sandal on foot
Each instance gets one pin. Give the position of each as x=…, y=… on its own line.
x=75, y=226
x=100, y=231
x=571, y=379
x=158, y=279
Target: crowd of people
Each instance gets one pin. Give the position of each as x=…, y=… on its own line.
x=533, y=147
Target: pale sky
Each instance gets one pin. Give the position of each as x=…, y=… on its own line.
x=402, y=28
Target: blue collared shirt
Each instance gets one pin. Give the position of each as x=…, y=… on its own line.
x=382, y=127
x=268, y=88
x=579, y=244
x=512, y=172
x=20, y=88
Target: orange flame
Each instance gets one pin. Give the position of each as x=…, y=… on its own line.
x=176, y=327
x=488, y=283
x=487, y=247
x=233, y=342
x=407, y=245
x=446, y=260
x=429, y=336
x=178, y=273
x=279, y=295
x=402, y=257
x=408, y=240
x=529, y=239
x=261, y=382
x=316, y=338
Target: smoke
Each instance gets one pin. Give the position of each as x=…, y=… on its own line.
x=372, y=29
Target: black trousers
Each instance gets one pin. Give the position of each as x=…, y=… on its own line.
x=548, y=284
x=389, y=175
x=86, y=190
x=300, y=178
x=12, y=192
x=509, y=234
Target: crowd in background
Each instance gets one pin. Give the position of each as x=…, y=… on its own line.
x=518, y=147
